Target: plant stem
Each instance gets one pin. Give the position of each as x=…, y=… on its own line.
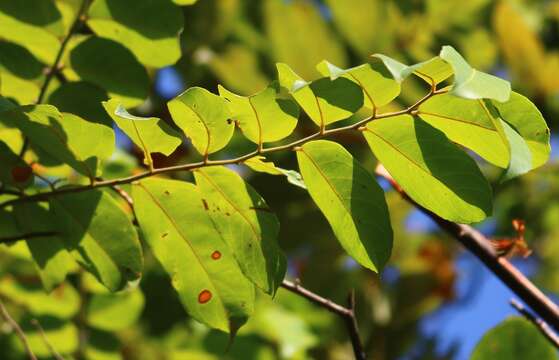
x=206, y=163
x=481, y=247
x=348, y=314
x=17, y=329
x=539, y=323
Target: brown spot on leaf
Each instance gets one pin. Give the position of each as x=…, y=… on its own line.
x=216, y=255
x=205, y=204
x=166, y=192
x=204, y=296
x=164, y=235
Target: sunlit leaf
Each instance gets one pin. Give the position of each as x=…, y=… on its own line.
x=259, y=164
x=89, y=223
x=63, y=302
x=433, y=71
x=148, y=28
x=514, y=339
x=350, y=199
x=434, y=172
x=20, y=73
x=325, y=101
x=149, y=134
x=471, y=123
x=262, y=117
x=470, y=83
x=204, y=118
x=61, y=335
x=246, y=223
x=202, y=269
x=379, y=89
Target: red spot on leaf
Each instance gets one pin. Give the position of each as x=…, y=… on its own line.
x=216, y=255
x=204, y=296
x=21, y=174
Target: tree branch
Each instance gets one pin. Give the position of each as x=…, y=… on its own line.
x=206, y=163
x=17, y=329
x=481, y=247
x=51, y=348
x=539, y=323
x=348, y=314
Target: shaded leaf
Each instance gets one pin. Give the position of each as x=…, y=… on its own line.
x=83, y=99
x=89, y=223
x=61, y=335
x=204, y=118
x=262, y=117
x=434, y=172
x=112, y=312
x=20, y=73
x=246, y=223
x=325, y=101
x=209, y=283
x=112, y=67
x=150, y=29
x=514, y=339
x=350, y=199
x=14, y=171
x=470, y=83
x=52, y=260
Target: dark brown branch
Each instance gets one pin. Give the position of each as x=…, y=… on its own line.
x=206, y=163
x=347, y=314
x=539, y=323
x=12, y=239
x=17, y=329
x=52, y=350
x=481, y=247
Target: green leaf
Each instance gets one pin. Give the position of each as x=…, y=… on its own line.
x=112, y=67
x=378, y=88
x=150, y=29
x=21, y=73
x=185, y=2
x=209, y=283
x=89, y=223
x=62, y=303
x=350, y=199
x=262, y=117
x=52, y=260
x=471, y=123
x=434, y=172
x=32, y=24
x=433, y=71
x=113, y=312
x=103, y=346
x=514, y=339
x=204, y=118
x=149, y=134
x=314, y=40
x=470, y=83
x=325, y=101
x=527, y=120
x=246, y=223
x=83, y=99
x=14, y=171
x=66, y=137
x=521, y=157
x=259, y=164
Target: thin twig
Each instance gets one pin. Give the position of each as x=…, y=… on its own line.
x=192, y=166
x=51, y=348
x=54, y=68
x=17, y=329
x=14, y=238
x=539, y=323
x=347, y=314
x=481, y=247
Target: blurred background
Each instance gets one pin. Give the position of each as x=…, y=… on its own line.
x=433, y=300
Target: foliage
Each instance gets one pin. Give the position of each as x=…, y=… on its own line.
x=83, y=213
